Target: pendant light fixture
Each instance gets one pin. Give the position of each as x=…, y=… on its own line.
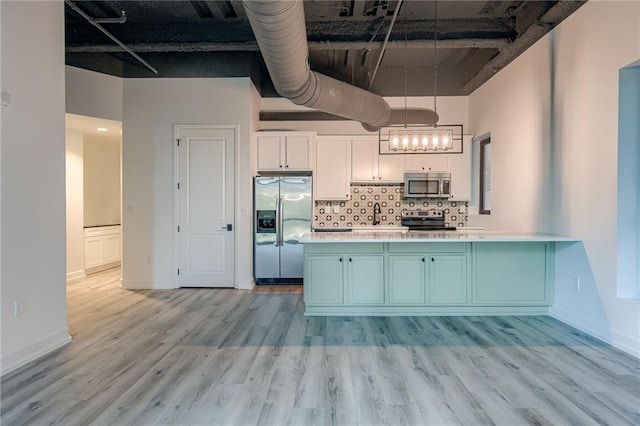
x=427, y=138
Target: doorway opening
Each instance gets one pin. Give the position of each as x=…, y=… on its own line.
x=628, y=238
x=93, y=158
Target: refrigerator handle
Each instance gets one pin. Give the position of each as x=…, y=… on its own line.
x=280, y=223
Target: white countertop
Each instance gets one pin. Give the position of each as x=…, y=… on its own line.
x=472, y=235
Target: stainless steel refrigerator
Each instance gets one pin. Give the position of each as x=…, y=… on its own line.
x=283, y=212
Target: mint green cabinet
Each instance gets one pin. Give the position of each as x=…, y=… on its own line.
x=344, y=274
x=323, y=277
x=364, y=281
x=512, y=274
x=429, y=278
x=406, y=280
x=447, y=280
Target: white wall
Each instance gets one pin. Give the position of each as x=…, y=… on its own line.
x=33, y=181
x=151, y=108
x=514, y=106
x=75, y=201
x=255, y=105
x=93, y=94
x=552, y=114
x=101, y=180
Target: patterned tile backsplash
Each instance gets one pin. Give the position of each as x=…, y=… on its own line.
x=358, y=211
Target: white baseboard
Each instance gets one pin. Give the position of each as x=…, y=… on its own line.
x=34, y=351
x=245, y=285
x=618, y=340
x=103, y=267
x=75, y=275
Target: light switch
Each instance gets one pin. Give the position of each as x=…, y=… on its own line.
x=6, y=98
x=336, y=209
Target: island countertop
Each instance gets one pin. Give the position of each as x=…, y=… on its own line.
x=385, y=236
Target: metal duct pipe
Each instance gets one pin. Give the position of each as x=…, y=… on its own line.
x=280, y=31
x=413, y=116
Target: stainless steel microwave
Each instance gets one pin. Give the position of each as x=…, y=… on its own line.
x=427, y=185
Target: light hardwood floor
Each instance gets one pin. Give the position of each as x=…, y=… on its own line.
x=231, y=357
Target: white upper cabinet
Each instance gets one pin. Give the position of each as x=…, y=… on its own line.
x=269, y=152
x=368, y=166
x=285, y=151
x=364, y=160
x=333, y=168
x=460, y=167
x=427, y=162
x=390, y=168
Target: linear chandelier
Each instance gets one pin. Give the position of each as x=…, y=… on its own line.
x=409, y=139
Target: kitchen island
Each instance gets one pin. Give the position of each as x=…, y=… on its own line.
x=428, y=273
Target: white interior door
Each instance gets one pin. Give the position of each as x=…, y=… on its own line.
x=206, y=231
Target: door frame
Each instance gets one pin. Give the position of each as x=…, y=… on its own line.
x=176, y=170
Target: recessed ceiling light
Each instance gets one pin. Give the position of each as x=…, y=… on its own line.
x=102, y=129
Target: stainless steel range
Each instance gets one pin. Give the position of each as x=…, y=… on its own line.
x=424, y=220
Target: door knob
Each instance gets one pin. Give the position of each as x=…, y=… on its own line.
x=228, y=227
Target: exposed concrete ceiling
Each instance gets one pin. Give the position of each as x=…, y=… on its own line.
x=475, y=39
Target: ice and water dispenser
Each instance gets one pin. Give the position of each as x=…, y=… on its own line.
x=266, y=221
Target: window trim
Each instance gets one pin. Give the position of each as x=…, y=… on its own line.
x=481, y=199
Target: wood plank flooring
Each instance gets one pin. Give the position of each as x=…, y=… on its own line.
x=234, y=357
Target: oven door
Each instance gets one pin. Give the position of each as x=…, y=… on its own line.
x=422, y=188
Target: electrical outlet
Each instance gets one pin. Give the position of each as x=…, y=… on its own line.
x=18, y=308
x=336, y=209
x=575, y=283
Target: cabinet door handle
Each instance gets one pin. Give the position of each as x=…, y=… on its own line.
x=423, y=259
x=340, y=259
x=280, y=165
x=432, y=259
x=349, y=259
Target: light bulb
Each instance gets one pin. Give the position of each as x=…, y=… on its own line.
x=414, y=142
x=445, y=141
x=425, y=142
x=394, y=142
x=434, y=142
x=405, y=142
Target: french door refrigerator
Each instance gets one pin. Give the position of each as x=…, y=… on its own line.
x=283, y=212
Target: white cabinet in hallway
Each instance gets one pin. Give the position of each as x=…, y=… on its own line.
x=285, y=151
x=101, y=248
x=333, y=168
x=367, y=165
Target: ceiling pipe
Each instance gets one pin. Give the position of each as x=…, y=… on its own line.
x=93, y=22
x=386, y=40
x=280, y=30
x=119, y=20
x=411, y=116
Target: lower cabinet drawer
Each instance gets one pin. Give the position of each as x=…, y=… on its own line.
x=427, y=247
